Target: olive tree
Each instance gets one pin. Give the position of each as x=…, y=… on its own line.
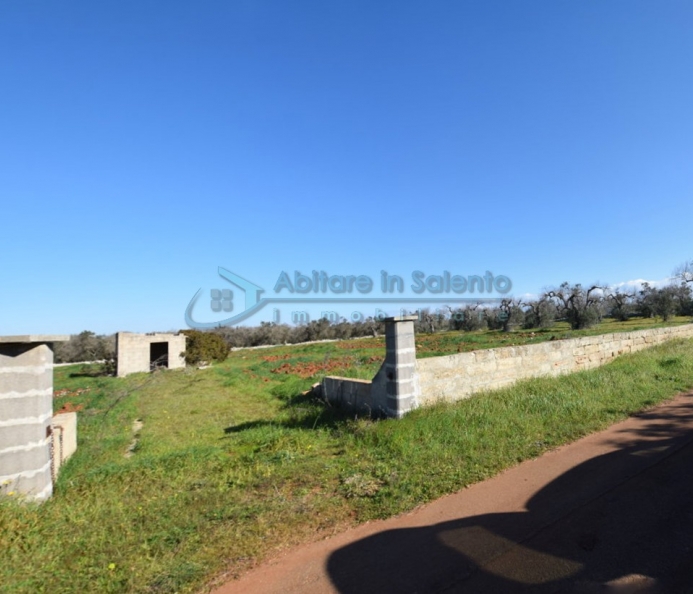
x=665, y=302
x=684, y=272
x=621, y=303
x=507, y=315
x=540, y=313
x=581, y=307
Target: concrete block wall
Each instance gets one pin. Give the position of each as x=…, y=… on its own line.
x=394, y=390
x=26, y=411
x=133, y=351
x=454, y=377
x=349, y=392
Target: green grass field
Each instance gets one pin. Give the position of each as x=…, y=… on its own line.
x=232, y=463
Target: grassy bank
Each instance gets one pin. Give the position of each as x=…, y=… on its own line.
x=232, y=463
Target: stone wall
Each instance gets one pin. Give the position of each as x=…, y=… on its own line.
x=454, y=377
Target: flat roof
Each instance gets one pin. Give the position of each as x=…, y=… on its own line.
x=402, y=319
x=35, y=338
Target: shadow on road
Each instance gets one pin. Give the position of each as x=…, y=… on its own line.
x=620, y=522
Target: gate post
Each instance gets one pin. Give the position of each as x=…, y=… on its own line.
x=401, y=380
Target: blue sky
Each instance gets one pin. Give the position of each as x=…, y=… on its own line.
x=143, y=144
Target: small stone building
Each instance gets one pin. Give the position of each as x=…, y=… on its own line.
x=145, y=352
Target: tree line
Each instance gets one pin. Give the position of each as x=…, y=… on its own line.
x=582, y=306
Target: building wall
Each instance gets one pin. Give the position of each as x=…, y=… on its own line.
x=132, y=351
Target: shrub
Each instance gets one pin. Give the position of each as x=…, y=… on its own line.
x=204, y=347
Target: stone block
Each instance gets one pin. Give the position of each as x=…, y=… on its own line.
x=484, y=355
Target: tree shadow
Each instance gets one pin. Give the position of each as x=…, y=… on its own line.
x=618, y=522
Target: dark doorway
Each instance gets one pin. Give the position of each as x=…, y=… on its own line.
x=158, y=355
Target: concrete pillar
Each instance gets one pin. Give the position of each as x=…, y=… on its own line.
x=401, y=381
x=26, y=411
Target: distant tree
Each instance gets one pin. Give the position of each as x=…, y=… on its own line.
x=645, y=301
x=429, y=322
x=684, y=299
x=654, y=302
x=507, y=315
x=374, y=326
x=540, y=313
x=581, y=307
x=314, y=330
x=514, y=315
x=621, y=303
x=85, y=346
x=343, y=330
x=469, y=318
x=684, y=272
x=665, y=303
x=455, y=318
x=495, y=318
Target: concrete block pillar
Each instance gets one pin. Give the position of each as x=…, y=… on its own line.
x=26, y=411
x=401, y=380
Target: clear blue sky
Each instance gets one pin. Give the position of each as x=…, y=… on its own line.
x=145, y=143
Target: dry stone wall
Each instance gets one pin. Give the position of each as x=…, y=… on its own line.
x=454, y=377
